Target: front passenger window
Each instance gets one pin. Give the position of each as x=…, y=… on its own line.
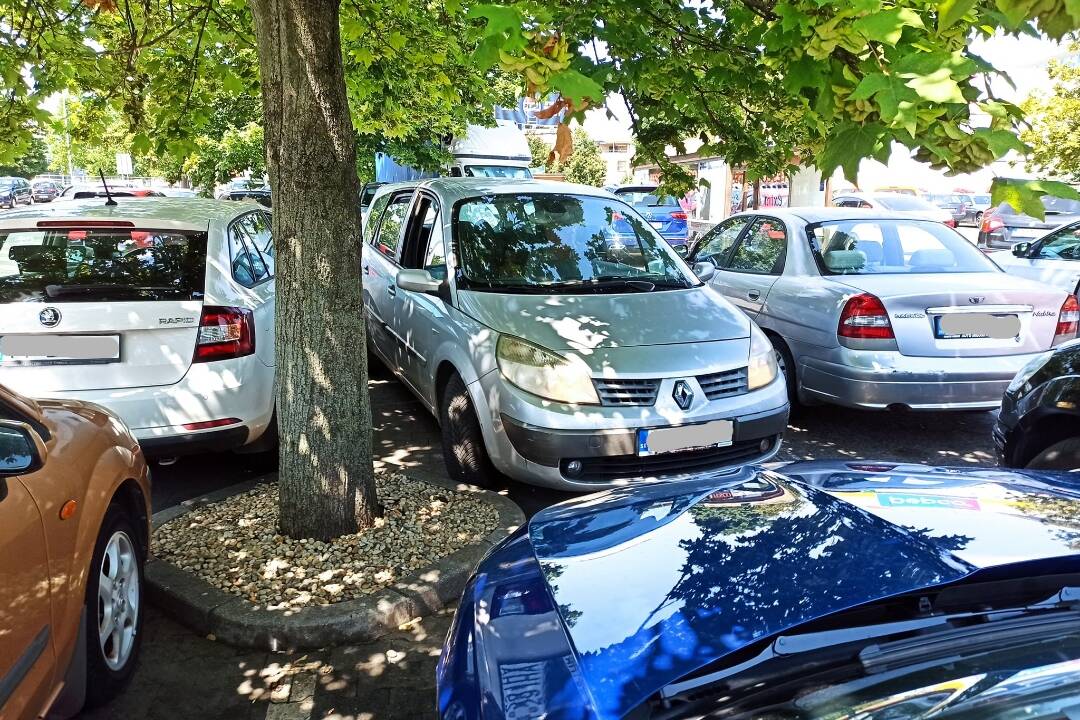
x=1062, y=245
x=762, y=248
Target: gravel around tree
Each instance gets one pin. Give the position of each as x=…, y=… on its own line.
x=234, y=545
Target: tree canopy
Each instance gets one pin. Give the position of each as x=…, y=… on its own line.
x=1054, y=134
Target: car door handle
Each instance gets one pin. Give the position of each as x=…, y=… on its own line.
x=391, y=290
x=754, y=294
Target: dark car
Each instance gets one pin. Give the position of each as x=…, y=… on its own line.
x=833, y=590
x=1003, y=226
x=45, y=191
x=954, y=203
x=15, y=191
x=1038, y=425
x=663, y=212
x=259, y=195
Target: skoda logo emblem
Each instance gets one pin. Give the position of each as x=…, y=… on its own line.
x=976, y=300
x=49, y=317
x=682, y=394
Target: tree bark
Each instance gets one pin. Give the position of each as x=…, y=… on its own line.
x=326, y=479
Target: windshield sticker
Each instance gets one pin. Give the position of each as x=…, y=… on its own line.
x=944, y=502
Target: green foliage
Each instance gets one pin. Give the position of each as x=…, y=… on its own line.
x=215, y=161
x=538, y=149
x=1026, y=195
x=1054, y=134
x=32, y=161
x=584, y=165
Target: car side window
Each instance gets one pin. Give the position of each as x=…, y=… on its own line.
x=424, y=239
x=1061, y=245
x=761, y=249
x=371, y=220
x=260, y=243
x=240, y=256
x=388, y=234
x=719, y=240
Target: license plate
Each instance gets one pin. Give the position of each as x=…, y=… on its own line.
x=657, y=224
x=59, y=349
x=1027, y=232
x=684, y=437
x=976, y=325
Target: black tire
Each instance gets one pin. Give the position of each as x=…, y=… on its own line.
x=787, y=367
x=978, y=219
x=102, y=681
x=464, y=452
x=1062, y=455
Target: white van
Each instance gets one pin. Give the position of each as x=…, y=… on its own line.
x=158, y=309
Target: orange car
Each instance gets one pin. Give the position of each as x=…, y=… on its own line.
x=74, y=534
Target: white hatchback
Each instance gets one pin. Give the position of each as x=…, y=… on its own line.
x=159, y=309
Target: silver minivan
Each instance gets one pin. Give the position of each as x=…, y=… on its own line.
x=559, y=339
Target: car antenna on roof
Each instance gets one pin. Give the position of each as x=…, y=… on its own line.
x=109, y=202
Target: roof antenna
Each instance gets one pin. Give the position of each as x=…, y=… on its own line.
x=109, y=202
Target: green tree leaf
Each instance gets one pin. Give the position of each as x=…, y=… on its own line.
x=886, y=26
x=951, y=12
x=938, y=87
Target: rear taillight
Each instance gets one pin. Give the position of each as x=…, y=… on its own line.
x=864, y=317
x=991, y=223
x=1068, y=320
x=678, y=216
x=224, y=332
x=950, y=223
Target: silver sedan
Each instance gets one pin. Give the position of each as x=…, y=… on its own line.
x=875, y=310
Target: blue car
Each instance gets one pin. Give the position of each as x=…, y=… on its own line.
x=663, y=212
x=827, y=590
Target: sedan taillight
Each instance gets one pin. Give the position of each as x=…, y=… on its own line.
x=864, y=317
x=678, y=215
x=224, y=332
x=991, y=223
x=1068, y=320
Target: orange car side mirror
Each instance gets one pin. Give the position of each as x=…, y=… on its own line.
x=21, y=449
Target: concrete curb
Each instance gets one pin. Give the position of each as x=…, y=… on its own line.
x=235, y=621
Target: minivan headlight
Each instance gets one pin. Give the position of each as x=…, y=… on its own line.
x=542, y=372
x=762, y=369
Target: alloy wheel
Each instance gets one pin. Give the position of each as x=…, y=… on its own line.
x=118, y=600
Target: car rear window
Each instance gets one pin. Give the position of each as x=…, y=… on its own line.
x=643, y=197
x=75, y=264
x=889, y=247
x=903, y=202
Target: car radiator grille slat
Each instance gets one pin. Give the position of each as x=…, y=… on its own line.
x=619, y=392
x=723, y=384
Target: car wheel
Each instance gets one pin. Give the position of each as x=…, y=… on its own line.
x=786, y=364
x=1063, y=455
x=114, y=608
x=978, y=219
x=463, y=444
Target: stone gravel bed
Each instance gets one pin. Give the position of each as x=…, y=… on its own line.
x=234, y=544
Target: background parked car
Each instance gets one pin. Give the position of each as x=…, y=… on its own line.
x=1053, y=259
x=977, y=204
x=563, y=343
x=663, y=212
x=879, y=310
x=828, y=589
x=901, y=204
x=74, y=527
x=15, y=191
x=955, y=204
x=1039, y=422
x=1002, y=226
x=259, y=195
x=45, y=191
x=85, y=192
x=160, y=309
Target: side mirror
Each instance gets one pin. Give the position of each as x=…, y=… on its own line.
x=1021, y=249
x=21, y=449
x=704, y=270
x=418, y=281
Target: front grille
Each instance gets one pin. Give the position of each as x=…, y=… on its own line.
x=619, y=467
x=620, y=392
x=723, y=384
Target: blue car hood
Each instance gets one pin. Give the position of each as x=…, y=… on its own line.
x=655, y=581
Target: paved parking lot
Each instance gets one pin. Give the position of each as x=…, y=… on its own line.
x=393, y=678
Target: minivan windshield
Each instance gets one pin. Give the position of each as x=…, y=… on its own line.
x=547, y=241
x=101, y=264
x=873, y=247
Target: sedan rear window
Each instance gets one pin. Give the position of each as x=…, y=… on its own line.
x=903, y=203
x=101, y=264
x=644, y=197
x=871, y=247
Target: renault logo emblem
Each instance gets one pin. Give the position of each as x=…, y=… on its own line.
x=683, y=395
x=49, y=317
x=977, y=299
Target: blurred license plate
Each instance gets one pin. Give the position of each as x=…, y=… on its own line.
x=1027, y=232
x=657, y=224
x=59, y=349
x=685, y=437
x=976, y=325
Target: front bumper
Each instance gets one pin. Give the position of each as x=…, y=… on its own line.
x=533, y=440
x=880, y=380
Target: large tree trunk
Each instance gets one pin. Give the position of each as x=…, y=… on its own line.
x=327, y=483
